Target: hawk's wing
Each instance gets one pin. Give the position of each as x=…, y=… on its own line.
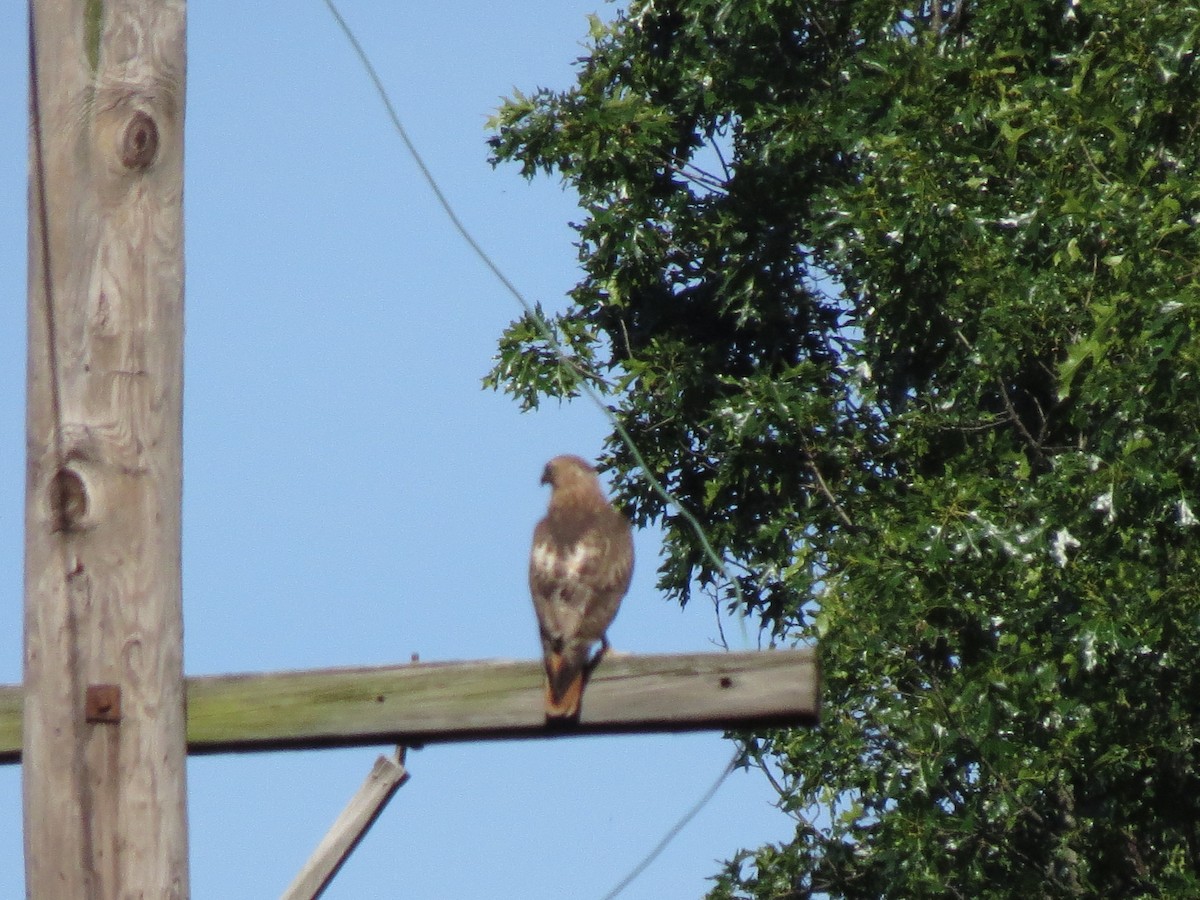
x=578, y=576
x=579, y=570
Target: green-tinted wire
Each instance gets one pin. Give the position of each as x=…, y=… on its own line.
x=675, y=829
x=542, y=327
x=548, y=336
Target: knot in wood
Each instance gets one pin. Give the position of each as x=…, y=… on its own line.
x=68, y=500
x=139, y=141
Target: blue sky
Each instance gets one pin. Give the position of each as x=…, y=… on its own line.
x=351, y=495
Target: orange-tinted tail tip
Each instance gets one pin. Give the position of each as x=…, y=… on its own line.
x=564, y=690
x=566, y=706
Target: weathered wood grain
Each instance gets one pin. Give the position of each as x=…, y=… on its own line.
x=104, y=794
x=11, y=703
x=426, y=703
x=348, y=829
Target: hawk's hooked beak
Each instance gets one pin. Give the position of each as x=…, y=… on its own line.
x=546, y=476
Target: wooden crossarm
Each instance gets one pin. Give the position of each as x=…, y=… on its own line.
x=422, y=703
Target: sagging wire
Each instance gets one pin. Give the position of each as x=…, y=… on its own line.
x=535, y=315
x=676, y=828
x=556, y=347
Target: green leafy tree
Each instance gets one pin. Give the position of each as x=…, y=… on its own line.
x=901, y=301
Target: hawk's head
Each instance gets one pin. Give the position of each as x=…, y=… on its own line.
x=565, y=471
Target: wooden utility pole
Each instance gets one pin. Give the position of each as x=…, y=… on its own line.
x=104, y=739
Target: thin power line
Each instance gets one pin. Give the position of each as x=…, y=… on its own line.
x=678, y=827
x=548, y=335
x=43, y=222
x=543, y=328
x=54, y=378
x=417, y=158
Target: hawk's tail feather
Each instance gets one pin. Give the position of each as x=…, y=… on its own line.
x=565, y=674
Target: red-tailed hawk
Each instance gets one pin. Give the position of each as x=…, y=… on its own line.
x=579, y=570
